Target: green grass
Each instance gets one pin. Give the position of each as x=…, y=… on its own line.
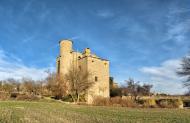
x=56, y=112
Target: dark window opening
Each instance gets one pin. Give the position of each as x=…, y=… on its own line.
x=96, y=78
x=58, y=67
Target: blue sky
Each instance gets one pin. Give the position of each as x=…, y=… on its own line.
x=143, y=39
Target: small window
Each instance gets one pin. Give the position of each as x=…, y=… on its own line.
x=96, y=78
x=58, y=67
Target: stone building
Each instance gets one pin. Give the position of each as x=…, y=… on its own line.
x=98, y=67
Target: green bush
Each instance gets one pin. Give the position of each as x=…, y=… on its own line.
x=115, y=92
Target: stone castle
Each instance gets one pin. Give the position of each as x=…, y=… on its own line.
x=87, y=61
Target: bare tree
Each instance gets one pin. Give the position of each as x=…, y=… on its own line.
x=131, y=88
x=15, y=83
x=50, y=82
x=39, y=86
x=28, y=86
x=7, y=87
x=61, y=86
x=56, y=85
x=145, y=89
x=185, y=70
x=1, y=85
x=79, y=82
x=135, y=89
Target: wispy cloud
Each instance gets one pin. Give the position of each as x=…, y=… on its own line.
x=12, y=67
x=105, y=13
x=178, y=24
x=178, y=30
x=74, y=37
x=179, y=10
x=28, y=39
x=164, y=77
x=27, y=7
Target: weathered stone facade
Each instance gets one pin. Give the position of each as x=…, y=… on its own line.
x=97, y=66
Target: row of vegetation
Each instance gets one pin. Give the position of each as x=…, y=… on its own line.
x=128, y=95
x=140, y=103
x=55, y=86
x=73, y=86
x=133, y=94
x=70, y=87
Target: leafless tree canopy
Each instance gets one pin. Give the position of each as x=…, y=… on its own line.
x=56, y=85
x=79, y=82
x=134, y=89
x=185, y=70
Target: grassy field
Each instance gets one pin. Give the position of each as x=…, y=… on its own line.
x=56, y=112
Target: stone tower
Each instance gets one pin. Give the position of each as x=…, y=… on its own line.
x=98, y=67
x=65, y=58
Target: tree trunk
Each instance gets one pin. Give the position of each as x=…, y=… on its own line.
x=73, y=98
x=78, y=97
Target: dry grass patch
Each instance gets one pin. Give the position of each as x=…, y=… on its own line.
x=56, y=112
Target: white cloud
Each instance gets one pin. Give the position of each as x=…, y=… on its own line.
x=12, y=67
x=164, y=77
x=166, y=70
